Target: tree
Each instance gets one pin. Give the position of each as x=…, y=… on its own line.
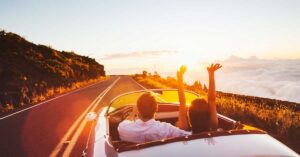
x=145, y=73
x=197, y=85
x=156, y=74
x=2, y=33
x=205, y=88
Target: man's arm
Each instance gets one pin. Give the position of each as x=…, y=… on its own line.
x=132, y=116
x=182, y=116
x=212, y=95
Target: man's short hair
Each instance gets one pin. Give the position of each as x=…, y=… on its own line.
x=147, y=106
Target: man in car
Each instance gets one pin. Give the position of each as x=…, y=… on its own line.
x=145, y=128
x=201, y=116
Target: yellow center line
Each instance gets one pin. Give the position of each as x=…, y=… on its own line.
x=76, y=135
x=58, y=147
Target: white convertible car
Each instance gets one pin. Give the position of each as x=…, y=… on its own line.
x=236, y=139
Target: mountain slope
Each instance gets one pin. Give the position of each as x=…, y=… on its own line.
x=27, y=69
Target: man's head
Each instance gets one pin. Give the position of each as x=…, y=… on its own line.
x=199, y=116
x=147, y=106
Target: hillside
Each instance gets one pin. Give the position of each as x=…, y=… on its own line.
x=29, y=73
x=281, y=119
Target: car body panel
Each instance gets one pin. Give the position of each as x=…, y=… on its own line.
x=234, y=146
x=100, y=134
x=245, y=145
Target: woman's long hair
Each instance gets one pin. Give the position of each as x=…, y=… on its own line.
x=199, y=116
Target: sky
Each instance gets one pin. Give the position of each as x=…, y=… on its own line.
x=129, y=36
x=205, y=29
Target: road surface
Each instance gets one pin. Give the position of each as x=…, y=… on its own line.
x=57, y=127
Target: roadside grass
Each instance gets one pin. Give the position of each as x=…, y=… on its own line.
x=149, y=83
x=51, y=92
x=276, y=117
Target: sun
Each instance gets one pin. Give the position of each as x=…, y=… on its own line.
x=189, y=59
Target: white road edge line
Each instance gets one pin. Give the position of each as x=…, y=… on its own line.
x=73, y=127
x=146, y=89
x=78, y=132
x=138, y=83
x=36, y=105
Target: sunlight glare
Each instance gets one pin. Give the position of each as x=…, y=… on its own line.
x=190, y=60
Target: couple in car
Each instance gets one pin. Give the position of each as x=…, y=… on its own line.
x=200, y=116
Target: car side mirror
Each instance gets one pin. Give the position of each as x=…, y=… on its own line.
x=91, y=116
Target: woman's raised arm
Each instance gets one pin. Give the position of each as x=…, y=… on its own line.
x=182, y=116
x=212, y=95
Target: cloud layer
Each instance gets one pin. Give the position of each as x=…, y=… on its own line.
x=137, y=54
x=278, y=79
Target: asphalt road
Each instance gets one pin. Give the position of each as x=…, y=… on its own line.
x=57, y=126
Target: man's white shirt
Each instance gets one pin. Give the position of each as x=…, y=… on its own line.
x=139, y=131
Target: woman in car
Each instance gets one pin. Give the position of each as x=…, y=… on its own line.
x=201, y=115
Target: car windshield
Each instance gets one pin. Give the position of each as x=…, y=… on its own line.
x=161, y=96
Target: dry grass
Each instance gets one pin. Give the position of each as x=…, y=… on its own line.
x=150, y=83
x=60, y=90
x=280, y=122
x=51, y=92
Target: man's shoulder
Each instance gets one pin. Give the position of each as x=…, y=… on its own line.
x=173, y=130
x=126, y=123
x=166, y=126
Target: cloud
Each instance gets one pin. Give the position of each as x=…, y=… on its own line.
x=137, y=54
x=278, y=79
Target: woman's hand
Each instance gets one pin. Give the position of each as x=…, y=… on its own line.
x=213, y=68
x=180, y=73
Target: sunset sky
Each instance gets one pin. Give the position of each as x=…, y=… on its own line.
x=128, y=36
x=204, y=29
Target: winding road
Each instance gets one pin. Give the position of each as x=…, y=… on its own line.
x=57, y=127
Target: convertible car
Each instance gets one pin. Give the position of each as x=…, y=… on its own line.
x=234, y=140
